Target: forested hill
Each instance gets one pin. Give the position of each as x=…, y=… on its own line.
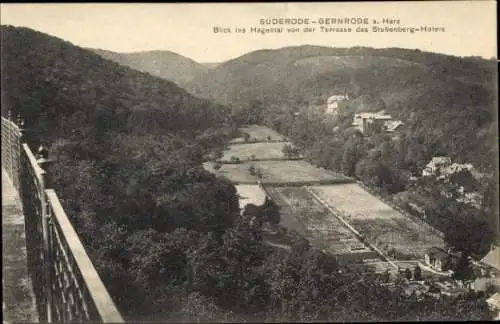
x=311, y=72
x=48, y=79
x=449, y=100
x=164, y=64
x=128, y=149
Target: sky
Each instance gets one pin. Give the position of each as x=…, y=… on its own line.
x=188, y=28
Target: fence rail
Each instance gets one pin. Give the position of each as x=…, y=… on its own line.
x=77, y=291
x=11, y=135
x=66, y=284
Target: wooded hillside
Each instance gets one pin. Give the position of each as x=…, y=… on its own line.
x=447, y=102
x=165, y=235
x=164, y=64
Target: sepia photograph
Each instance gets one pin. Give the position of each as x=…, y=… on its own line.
x=250, y=162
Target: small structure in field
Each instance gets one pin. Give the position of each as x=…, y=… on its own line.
x=440, y=259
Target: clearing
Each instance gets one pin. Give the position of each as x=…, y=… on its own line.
x=392, y=232
x=281, y=173
x=301, y=212
x=260, y=151
x=296, y=172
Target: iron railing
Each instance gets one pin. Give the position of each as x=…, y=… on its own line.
x=11, y=139
x=66, y=284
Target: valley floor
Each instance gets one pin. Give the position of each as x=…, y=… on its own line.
x=332, y=211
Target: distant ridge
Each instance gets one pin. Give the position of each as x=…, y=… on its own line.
x=164, y=64
x=432, y=93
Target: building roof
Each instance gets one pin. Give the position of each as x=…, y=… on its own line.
x=392, y=125
x=370, y=115
x=337, y=98
x=493, y=258
x=441, y=253
x=437, y=253
x=438, y=160
x=494, y=301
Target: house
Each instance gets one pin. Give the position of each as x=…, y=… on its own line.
x=492, y=259
x=441, y=260
x=494, y=305
x=393, y=127
x=366, y=121
x=454, y=292
x=436, y=165
x=457, y=167
x=442, y=167
x=333, y=103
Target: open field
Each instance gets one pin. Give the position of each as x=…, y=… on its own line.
x=236, y=173
x=301, y=212
x=295, y=171
x=380, y=224
x=284, y=173
x=250, y=194
x=272, y=150
x=259, y=133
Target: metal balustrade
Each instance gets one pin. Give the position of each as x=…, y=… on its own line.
x=11, y=150
x=66, y=284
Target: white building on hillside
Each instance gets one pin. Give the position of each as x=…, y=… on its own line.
x=364, y=121
x=437, y=164
x=333, y=103
x=392, y=126
x=442, y=167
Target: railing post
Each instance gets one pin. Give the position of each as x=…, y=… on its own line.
x=47, y=260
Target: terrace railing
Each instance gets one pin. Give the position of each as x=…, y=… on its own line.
x=66, y=284
x=11, y=139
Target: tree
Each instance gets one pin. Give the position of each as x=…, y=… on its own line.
x=251, y=170
x=198, y=308
x=408, y=274
x=353, y=151
x=271, y=211
x=417, y=273
x=386, y=276
x=286, y=150
x=235, y=159
x=463, y=271
x=217, y=166
x=246, y=137
x=294, y=153
x=218, y=155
